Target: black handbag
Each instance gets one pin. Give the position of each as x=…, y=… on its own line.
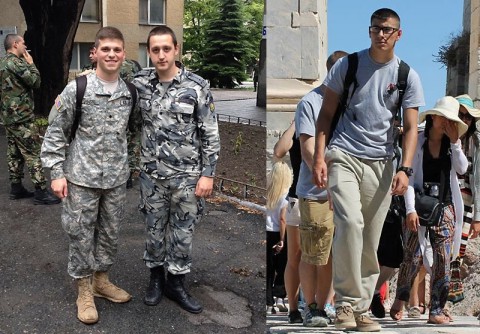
x=429, y=209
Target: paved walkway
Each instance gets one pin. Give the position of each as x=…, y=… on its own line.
x=278, y=324
x=238, y=105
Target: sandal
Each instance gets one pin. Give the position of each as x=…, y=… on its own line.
x=422, y=307
x=414, y=312
x=396, y=315
x=448, y=315
x=440, y=319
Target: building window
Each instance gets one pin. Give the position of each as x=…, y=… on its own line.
x=152, y=11
x=80, y=54
x=91, y=11
x=143, y=58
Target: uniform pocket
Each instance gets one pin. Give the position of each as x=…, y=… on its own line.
x=71, y=221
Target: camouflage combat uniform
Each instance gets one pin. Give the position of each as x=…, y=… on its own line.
x=180, y=143
x=127, y=73
x=96, y=169
x=17, y=81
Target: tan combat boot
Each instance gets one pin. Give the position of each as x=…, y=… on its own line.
x=86, y=310
x=103, y=288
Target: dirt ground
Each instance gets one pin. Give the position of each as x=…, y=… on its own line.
x=242, y=158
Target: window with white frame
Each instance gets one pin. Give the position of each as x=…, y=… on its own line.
x=91, y=11
x=143, y=58
x=80, y=55
x=152, y=11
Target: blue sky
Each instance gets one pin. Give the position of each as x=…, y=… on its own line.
x=426, y=25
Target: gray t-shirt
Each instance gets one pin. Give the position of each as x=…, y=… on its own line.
x=305, y=117
x=365, y=130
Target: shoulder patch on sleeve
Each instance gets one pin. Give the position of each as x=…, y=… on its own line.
x=58, y=103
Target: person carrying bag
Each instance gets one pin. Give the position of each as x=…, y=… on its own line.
x=437, y=160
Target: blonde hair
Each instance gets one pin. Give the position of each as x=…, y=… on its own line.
x=278, y=181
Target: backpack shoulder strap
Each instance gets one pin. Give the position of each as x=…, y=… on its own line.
x=81, y=82
x=133, y=93
x=350, y=77
x=403, y=70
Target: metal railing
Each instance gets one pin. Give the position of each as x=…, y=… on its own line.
x=245, y=188
x=240, y=120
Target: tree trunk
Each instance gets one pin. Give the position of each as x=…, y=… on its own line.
x=51, y=28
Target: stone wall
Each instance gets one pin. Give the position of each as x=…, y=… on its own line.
x=296, y=55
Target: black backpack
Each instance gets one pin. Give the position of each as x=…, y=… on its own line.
x=81, y=82
x=350, y=78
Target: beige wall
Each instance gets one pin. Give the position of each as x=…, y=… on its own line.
x=123, y=14
x=11, y=14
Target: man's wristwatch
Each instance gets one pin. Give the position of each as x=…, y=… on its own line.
x=406, y=170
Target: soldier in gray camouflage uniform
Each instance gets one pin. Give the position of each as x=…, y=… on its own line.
x=90, y=172
x=18, y=78
x=180, y=147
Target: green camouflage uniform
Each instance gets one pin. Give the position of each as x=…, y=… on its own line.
x=96, y=168
x=180, y=143
x=127, y=73
x=17, y=81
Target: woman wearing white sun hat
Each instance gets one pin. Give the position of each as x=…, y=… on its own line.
x=438, y=149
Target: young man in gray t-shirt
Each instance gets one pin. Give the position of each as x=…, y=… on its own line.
x=358, y=164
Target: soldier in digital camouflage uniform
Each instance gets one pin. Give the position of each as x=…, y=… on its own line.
x=180, y=147
x=127, y=73
x=91, y=176
x=18, y=78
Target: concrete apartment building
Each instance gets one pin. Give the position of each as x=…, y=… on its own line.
x=135, y=18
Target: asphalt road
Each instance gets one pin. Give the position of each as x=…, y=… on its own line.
x=38, y=296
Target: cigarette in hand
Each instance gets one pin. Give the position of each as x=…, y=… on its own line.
x=28, y=50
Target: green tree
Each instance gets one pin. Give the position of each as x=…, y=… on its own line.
x=253, y=16
x=224, y=50
x=201, y=43
x=195, y=16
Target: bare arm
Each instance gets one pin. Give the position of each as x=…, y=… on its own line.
x=307, y=146
x=324, y=121
x=284, y=143
x=283, y=224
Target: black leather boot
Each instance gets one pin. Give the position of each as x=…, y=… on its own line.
x=154, y=292
x=45, y=197
x=175, y=291
x=18, y=191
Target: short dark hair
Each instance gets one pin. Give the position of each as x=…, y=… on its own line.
x=384, y=13
x=332, y=59
x=108, y=32
x=9, y=40
x=161, y=30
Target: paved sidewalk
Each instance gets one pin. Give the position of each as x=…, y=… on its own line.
x=278, y=324
x=238, y=103
x=37, y=296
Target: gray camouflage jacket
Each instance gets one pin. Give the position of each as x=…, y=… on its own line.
x=97, y=156
x=180, y=131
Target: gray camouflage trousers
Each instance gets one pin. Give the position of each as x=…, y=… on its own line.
x=92, y=218
x=171, y=211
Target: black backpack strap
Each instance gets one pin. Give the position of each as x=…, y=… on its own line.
x=350, y=77
x=403, y=70
x=133, y=93
x=81, y=82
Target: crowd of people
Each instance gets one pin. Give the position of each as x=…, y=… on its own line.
x=374, y=194
x=89, y=149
